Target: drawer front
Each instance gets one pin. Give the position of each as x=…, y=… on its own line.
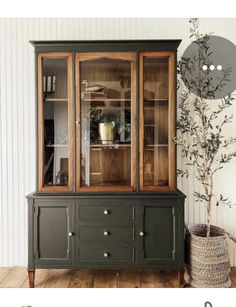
x=108, y=233
x=106, y=253
x=106, y=211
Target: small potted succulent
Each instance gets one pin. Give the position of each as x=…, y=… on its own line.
x=205, y=149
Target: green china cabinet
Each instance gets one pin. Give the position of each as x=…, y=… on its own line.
x=106, y=194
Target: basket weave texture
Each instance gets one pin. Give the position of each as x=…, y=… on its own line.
x=207, y=259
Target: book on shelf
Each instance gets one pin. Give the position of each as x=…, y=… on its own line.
x=93, y=95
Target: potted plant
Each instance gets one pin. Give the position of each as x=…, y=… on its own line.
x=106, y=128
x=200, y=135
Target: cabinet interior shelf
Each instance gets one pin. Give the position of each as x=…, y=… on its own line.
x=57, y=145
x=109, y=146
x=55, y=99
x=157, y=145
x=106, y=99
x=112, y=108
x=156, y=99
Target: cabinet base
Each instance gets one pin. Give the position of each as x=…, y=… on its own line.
x=31, y=276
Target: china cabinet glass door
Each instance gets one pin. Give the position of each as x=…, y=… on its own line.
x=105, y=121
x=55, y=129
x=157, y=156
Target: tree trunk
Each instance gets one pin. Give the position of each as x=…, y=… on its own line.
x=208, y=217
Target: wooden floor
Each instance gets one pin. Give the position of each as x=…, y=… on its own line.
x=16, y=277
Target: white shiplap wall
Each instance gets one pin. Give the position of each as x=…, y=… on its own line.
x=17, y=114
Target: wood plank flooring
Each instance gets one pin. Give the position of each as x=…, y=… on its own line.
x=17, y=277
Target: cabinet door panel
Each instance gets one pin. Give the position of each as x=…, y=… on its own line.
x=157, y=118
x=106, y=90
x=53, y=222
x=160, y=226
x=55, y=122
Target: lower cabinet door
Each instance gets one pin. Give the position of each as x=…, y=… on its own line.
x=159, y=232
x=53, y=232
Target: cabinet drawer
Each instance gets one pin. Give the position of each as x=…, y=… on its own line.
x=106, y=253
x=108, y=233
x=106, y=212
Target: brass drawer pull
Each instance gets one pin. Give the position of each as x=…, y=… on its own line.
x=106, y=255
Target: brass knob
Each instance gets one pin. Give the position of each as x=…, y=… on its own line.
x=105, y=254
x=70, y=234
x=105, y=233
x=141, y=234
x=106, y=212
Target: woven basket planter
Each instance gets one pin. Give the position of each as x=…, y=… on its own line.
x=207, y=259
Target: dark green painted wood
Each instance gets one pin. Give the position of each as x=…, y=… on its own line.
x=52, y=224
x=160, y=223
x=159, y=214
x=181, y=233
x=96, y=210
x=106, y=46
x=95, y=253
x=105, y=233
x=108, y=195
x=30, y=233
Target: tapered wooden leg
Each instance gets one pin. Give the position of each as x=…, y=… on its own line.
x=31, y=275
x=181, y=278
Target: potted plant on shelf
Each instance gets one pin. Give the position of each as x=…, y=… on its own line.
x=107, y=123
x=200, y=135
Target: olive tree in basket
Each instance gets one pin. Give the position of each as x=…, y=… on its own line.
x=200, y=136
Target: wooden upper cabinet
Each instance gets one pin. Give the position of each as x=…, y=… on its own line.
x=157, y=121
x=106, y=120
x=88, y=126
x=55, y=123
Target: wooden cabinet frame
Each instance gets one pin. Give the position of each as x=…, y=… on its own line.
x=128, y=56
x=41, y=187
x=171, y=118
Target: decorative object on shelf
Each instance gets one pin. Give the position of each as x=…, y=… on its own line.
x=61, y=178
x=58, y=178
x=94, y=91
x=64, y=171
x=125, y=82
x=207, y=150
x=107, y=124
x=49, y=84
x=93, y=87
x=93, y=95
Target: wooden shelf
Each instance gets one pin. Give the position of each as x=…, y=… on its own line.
x=57, y=145
x=107, y=99
x=156, y=145
x=112, y=108
x=56, y=100
x=109, y=146
x=155, y=99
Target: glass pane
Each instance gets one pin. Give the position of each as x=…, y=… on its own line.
x=105, y=122
x=55, y=95
x=156, y=121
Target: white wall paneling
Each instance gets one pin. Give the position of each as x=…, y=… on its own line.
x=17, y=114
